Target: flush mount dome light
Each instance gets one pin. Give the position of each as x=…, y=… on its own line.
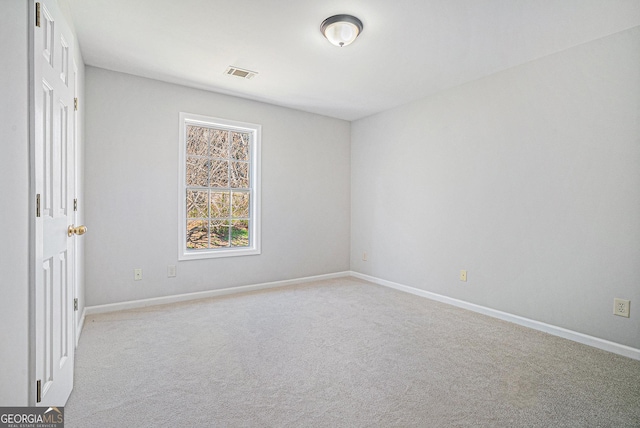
x=341, y=30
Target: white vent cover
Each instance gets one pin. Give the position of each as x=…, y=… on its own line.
x=240, y=72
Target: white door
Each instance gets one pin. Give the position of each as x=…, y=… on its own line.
x=53, y=181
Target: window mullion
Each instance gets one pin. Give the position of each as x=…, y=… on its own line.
x=209, y=153
x=230, y=145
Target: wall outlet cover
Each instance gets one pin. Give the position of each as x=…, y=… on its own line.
x=463, y=275
x=621, y=307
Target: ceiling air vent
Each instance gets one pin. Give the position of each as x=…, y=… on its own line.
x=239, y=72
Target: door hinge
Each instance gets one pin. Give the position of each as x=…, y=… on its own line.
x=75, y=104
x=75, y=204
x=37, y=14
x=38, y=391
x=75, y=304
x=38, y=205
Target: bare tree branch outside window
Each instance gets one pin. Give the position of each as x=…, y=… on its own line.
x=218, y=194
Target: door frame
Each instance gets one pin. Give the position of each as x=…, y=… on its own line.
x=32, y=209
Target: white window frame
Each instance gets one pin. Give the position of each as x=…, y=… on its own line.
x=254, y=247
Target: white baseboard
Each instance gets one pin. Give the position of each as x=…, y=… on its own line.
x=605, y=345
x=585, y=339
x=134, y=304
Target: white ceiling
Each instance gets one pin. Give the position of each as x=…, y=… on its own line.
x=409, y=49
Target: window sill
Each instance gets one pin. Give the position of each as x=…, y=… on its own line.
x=214, y=254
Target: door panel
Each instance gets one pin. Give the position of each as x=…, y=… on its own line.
x=53, y=180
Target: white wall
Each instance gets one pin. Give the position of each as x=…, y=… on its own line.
x=529, y=179
x=14, y=204
x=132, y=183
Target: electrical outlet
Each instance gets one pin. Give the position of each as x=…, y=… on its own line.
x=171, y=271
x=621, y=307
x=364, y=256
x=137, y=274
x=463, y=275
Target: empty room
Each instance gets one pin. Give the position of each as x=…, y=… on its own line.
x=291, y=214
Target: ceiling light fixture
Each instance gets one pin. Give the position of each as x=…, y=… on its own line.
x=341, y=30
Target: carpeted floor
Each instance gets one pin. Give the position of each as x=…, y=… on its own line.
x=339, y=353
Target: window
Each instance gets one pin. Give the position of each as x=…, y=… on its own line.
x=219, y=192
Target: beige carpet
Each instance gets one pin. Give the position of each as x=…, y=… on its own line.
x=339, y=353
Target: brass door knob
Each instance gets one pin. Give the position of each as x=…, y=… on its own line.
x=78, y=230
